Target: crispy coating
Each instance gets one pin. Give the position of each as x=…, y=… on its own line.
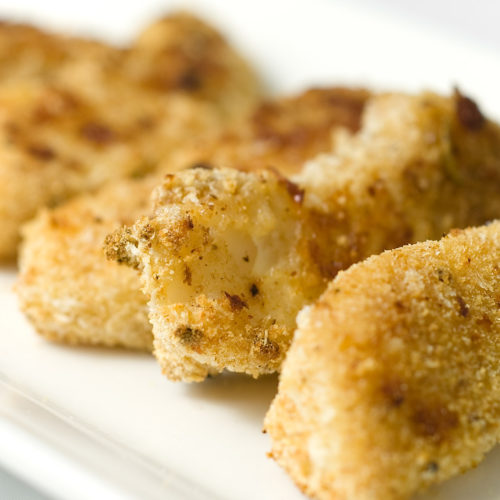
x=66, y=287
x=58, y=276
x=30, y=54
x=229, y=258
x=75, y=114
x=284, y=133
x=178, y=53
x=207, y=270
x=182, y=54
x=391, y=383
x=54, y=144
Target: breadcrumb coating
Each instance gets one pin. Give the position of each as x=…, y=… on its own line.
x=76, y=114
x=66, y=287
x=284, y=133
x=182, y=54
x=54, y=145
x=28, y=54
x=212, y=264
x=391, y=383
x=178, y=53
x=60, y=273
x=229, y=258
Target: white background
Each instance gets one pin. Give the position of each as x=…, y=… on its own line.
x=475, y=20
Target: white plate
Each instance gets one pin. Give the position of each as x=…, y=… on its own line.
x=92, y=423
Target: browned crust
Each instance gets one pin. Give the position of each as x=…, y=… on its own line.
x=66, y=287
x=412, y=172
x=391, y=384
x=181, y=53
x=284, y=133
x=76, y=114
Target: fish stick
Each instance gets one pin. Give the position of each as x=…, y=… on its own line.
x=30, y=54
x=284, y=133
x=67, y=288
x=55, y=144
x=229, y=258
x=391, y=383
x=178, y=53
x=69, y=125
x=182, y=54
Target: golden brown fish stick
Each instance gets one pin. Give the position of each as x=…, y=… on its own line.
x=284, y=133
x=221, y=245
x=66, y=287
x=229, y=258
x=392, y=383
x=178, y=53
x=182, y=54
x=54, y=144
x=31, y=54
x=57, y=259
x=71, y=125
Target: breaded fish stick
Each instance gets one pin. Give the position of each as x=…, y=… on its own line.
x=68, y=289
x=28, y=54
x=54, y=144
x=228, y=258
x=69, y=127
x=182, y=54
x=284, y=133
x=392, y=380
x=178, y=53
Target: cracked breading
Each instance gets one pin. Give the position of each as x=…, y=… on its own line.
x=416, y=168
x=57, y=275
x=211, y=275
x=76, y=114
x=392, y=382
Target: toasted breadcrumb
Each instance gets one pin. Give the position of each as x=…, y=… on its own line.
x=284, y=133
x=29, y=54
x=391, y=383
x=180, y=53
x=66, y=287
x=231, y=257
x=53, y=283
x=76, y=114
x=206, y=256
x=54, y=145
